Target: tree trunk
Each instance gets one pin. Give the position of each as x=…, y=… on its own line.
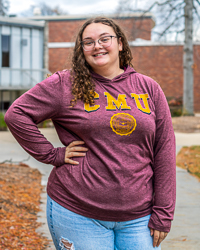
x=188, y=98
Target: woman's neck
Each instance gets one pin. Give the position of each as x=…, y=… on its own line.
x=109, y=73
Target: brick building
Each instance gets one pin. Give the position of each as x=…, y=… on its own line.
x=62, y=31
x=162, y=62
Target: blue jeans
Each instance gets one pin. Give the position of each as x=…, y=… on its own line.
x=75, y=232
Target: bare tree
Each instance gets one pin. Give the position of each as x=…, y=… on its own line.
x=45, y=10
x=188, y=101
x=175, y=19
x=124, y=6
x=4, y=7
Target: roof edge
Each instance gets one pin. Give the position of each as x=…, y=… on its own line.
x=83, y=17
x=21, y=21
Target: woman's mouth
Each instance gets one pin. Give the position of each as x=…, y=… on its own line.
x=100, y=54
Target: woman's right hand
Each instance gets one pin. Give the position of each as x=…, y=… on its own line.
x=74, y=150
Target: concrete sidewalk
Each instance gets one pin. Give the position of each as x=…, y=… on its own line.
x=185, y=232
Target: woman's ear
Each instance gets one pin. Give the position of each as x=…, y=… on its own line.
x=120, y=44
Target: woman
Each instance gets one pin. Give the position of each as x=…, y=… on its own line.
x=113, y=184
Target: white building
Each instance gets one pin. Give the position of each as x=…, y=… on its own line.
x=22, y=56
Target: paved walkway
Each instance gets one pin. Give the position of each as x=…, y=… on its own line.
x=185, y=232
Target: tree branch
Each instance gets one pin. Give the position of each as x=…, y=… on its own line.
x=198, y=1
x=171, y=11
x=196, y=11
x=171, y=24
x=15, y=162
x=153, y=5
x=169, y=32
x=178, y=32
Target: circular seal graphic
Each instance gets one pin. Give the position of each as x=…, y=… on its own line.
x=123, y=124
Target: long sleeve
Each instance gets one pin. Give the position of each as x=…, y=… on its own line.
x=36, y=105
x=164, y=167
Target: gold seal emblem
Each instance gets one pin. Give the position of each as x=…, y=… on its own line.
x=123, y=124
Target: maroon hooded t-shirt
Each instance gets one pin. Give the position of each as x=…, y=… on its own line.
x=128, y=171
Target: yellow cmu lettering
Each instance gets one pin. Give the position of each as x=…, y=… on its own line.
x=144, y=97
x=120, y=102
x=89, y=108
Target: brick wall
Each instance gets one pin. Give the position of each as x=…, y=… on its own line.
x=66, y=30
x=59, y=58
x=136, y=28
x=165, y=65
x=162, y=63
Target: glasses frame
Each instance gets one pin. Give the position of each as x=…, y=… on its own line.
x=94, y=43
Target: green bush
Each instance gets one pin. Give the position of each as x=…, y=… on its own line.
x=3, y=125
x=175, y=111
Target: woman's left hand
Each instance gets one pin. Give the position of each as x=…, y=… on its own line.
x=158, y=237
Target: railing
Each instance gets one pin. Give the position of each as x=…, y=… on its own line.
x=16, y=79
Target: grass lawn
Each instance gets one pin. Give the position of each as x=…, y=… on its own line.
x=189, y=159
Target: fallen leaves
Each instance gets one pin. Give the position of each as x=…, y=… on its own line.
x=20, y=189
x=189, y=159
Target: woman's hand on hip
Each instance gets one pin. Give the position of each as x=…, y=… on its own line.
x=158, y=237
x=74, y=150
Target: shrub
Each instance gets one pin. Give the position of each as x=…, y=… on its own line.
x=3, y=125
x=175, y=105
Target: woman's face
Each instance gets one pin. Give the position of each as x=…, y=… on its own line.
x=100, y=58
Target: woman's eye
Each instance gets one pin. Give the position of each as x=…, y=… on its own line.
x=89, y=43
x=105, y=39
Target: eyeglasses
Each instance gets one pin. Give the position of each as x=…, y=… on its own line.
x=104, y=41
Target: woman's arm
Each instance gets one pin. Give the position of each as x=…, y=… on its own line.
x=164, y=166
x=36, y=105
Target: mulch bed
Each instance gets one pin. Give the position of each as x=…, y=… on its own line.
x=20, y=189
x=189, y=159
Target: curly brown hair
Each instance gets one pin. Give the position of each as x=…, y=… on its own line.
x=83, y=86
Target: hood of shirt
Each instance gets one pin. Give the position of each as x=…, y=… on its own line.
x=128, y=71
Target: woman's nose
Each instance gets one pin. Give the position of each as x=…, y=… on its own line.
x=97, y=45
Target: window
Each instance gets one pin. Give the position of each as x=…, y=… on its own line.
x=4, y=106
x=5, y=97
x=5, y=45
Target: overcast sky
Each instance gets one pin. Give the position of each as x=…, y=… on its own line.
x=73, y=7
x=70, y=6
